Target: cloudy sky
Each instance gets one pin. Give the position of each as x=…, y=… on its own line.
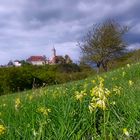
x=33, y=27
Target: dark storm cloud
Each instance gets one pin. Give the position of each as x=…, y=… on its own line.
x=32, y=27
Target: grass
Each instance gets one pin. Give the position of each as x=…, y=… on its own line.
x=62, y=112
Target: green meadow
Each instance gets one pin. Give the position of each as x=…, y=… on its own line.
x=102, y=107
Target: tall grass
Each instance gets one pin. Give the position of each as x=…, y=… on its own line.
x=62, y=112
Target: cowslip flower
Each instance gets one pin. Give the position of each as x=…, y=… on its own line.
x=125, y=132
x=117, y=90
x=92, y=107
x=93, y=81
x=80, y=95
x=128, y=65
x=2, y=129
x=17, y=103
x=130, y=83
x=30, y=97
x=4, y=105
x=100, y=96
x=101, y=104
x=43, y=110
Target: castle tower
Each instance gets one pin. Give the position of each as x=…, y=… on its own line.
x=54, y=52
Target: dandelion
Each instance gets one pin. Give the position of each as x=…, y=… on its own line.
x=2, y=130
x=45, y=111
x=125, y=132
x=17, y=103
x=130, y=83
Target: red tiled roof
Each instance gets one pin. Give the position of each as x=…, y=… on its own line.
x=36, y=58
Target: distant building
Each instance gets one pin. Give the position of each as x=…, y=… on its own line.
x=37, y=60
x=42, y=60
x=10, y=64
x=57, y=59
x=17, y=63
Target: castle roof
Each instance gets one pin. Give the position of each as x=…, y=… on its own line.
x=36, y=58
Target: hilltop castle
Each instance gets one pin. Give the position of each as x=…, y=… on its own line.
x=42, y=60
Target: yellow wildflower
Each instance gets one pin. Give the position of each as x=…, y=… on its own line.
x=92, y=107
x=101, y=104
x=4, y=105
x=79, y=95
x=113, y=103
x=45, y=111
x=100, y=95
x=17, y=103
x=130, y=82
x=117, y=90
x=93, y=81
x=30, y=97
x=128, y=65
x=2, y=130
x=125, y=132
x=124, y=73
x=114, y=78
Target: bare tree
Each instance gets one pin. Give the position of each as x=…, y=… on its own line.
x=103, y=43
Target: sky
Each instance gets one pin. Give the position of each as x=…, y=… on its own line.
x=34, y=27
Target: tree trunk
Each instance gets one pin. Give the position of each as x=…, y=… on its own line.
x=98, y=67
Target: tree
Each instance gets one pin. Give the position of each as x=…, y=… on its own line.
x=68, y=59
x=103, y=43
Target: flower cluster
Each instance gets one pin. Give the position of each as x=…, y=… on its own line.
x=99, y=96
x=2, y=130
x=17, y=103
x=79, y=95
x=117, y=90
x=43, y=110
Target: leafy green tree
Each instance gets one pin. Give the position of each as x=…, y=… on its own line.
x=103, y=43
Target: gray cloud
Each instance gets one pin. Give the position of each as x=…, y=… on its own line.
x=32, y=27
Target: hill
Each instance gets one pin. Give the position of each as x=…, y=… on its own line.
x=103, y=107
x=130, y=57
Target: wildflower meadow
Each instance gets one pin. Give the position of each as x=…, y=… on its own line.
x=102, y=107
